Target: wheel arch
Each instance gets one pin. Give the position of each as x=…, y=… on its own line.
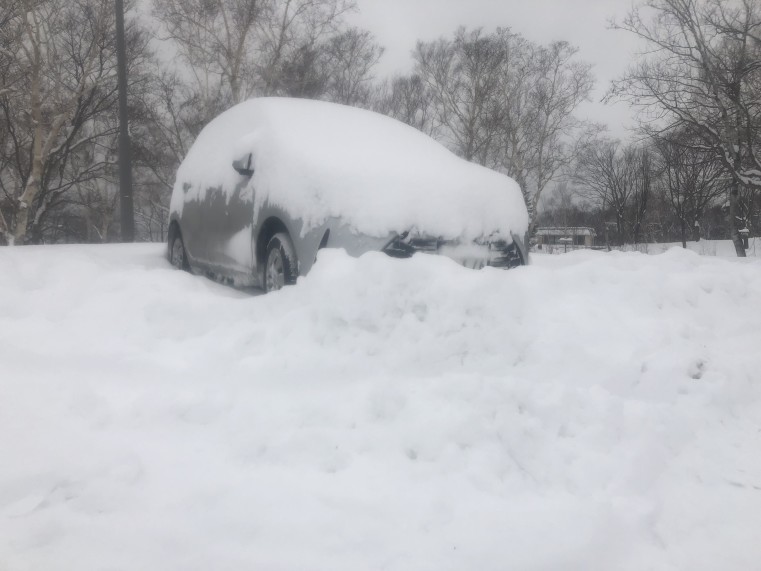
x=305, y=245
x=271, y=226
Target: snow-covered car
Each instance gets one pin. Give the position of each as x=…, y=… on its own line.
x=272, y=180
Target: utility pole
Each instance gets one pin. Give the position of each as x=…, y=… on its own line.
x=125, y=148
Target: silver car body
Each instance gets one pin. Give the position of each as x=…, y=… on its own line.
x=225, y=230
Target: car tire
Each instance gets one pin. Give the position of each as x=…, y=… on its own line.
x=178, y=256
x=280, y=263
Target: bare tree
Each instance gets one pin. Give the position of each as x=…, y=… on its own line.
x=642, y=179
x=406, y=98
x=64, y=69
x=169, y=117
x=292, y=33
x=702, y=73
x=10, y=33
x=97, y=199
x=463, y=77
x=350, y=58
x=540, y=132
x=506, y=103
x=618, y=179
x=216, y=40
x=692, y=181
x=338, y=69
x=233, y=49
x=560, y=207
x=518, y=115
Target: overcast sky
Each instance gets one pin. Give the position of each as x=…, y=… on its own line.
x=398, y=24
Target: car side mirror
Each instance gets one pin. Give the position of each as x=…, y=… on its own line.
x=244, y=165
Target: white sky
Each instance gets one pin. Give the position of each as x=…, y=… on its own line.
x=398, y=24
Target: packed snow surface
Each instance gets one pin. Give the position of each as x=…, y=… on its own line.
x=590, y=412
x=320, y=160
x=723, y=248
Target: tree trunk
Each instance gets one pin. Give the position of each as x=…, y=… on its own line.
x=683, y=232
x=6, y=236
x=32, y=188
x=734, y=200
x=24, y=204
x=607, y=238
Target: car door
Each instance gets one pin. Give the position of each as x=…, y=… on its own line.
x=228, y=221
x=191, y=225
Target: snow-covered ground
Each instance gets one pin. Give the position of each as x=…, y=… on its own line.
x=591, y=412
x=721, y=248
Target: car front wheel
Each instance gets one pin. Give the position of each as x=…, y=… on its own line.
x=281, y=264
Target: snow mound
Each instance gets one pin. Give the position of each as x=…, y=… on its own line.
x=592, y=411
x=320, y=160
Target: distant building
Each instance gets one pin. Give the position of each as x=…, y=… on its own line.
x=578, y=237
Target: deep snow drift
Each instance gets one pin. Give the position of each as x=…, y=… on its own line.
x=591, y=412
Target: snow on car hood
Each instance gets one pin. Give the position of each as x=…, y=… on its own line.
x=318, y=160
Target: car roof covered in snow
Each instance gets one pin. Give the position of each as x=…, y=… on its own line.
x=319, y=160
